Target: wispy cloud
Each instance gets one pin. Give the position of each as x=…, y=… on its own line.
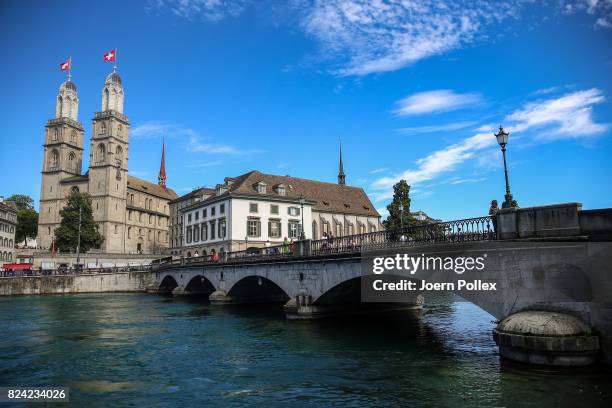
x=461, y=180
x=194, y=141
x=442, y=100
x=600, y=9
x=205, y=164
x=567, y=116
x=379, y=170
x=378, y=36
x=211, y=10
x=448, y=127
x=570, y=116
x=198, y=144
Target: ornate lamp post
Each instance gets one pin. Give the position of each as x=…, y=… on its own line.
x=401, y=210
x=302, y=200
x=502, y=139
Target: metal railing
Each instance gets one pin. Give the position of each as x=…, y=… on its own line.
x=471, y=229
x=467, y=230
x=72, y=271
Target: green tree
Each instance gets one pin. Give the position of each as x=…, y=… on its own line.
x=66, y=235
x=401, y=194
x=27, y=217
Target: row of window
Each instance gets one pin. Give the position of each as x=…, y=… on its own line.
x=7, y=228
x=55, y=135
x=213, y=212
x=275, y=229
x=141, y=234
x=7, y=243
x=141, y=216
x=206, y=231
x=6, y=256
x=293, y=211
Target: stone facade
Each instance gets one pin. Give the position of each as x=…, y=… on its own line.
x=132, y=214
x=8, y=225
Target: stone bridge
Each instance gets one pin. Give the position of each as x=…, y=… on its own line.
x=547, y=259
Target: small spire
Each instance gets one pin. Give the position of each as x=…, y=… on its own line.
x=341, y=175
x=162, y=168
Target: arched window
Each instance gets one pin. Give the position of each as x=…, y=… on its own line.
x=55, y=135
x=68, y=107
x=73, y=136
x=100, y=153
x=72, y=162
x=105, y=100
x=115, y=100
x=74, y=189
x=53, y=160
x=60, y=103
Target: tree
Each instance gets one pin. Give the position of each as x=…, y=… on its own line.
x=27, y=217
x=66, y=235
x=401, y=194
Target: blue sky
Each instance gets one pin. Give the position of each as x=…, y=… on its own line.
x=413, y=91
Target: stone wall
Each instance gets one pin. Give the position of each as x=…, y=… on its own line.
x=61, y=284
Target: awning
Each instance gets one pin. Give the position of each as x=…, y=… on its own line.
x=17, y=266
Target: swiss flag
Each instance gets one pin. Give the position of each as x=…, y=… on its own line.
x=65, y=66
x=110, y=56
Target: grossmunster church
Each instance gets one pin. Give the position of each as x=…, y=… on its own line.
x=132, y=214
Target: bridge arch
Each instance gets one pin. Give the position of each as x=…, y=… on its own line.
x=167, y=284
x=257, y=289
x=200, y=286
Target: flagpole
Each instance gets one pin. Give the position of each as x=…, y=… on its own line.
x=115, y=63
x=69, y=67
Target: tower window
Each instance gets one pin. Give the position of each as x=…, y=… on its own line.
x=100, y=153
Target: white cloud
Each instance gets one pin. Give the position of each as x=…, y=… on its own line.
x=448, y=127
x=379, y=170
x=211, y=10
x=442, y=100
x=569, y=116
x=370, y=36
x=205, y=164
x=601, y=9
x=195, y=142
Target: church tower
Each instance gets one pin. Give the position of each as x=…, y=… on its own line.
x=62, y=159
x=108, y=165
x=341, y=175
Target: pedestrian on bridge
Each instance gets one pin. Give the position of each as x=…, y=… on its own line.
x=493, y=210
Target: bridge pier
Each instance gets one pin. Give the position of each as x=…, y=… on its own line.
x=546, y=338
x=220, y=297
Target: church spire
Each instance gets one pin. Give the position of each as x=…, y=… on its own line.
x=162, y=168
x=341, y=175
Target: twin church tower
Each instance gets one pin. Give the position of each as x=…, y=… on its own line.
x=132, y=214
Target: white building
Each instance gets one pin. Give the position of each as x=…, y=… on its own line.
x=256, y=208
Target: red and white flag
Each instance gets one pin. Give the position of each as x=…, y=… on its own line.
x=110, y=56
x=65, y=66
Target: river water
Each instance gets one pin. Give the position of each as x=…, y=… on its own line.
x=140, y=350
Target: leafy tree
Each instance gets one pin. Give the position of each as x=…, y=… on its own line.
x=23, y=201
x=66, y=235
x=401, y=194
x=27, y=217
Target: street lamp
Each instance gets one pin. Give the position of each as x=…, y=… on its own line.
x=78, y=248
x=401, y=210
x=302, y=200
x=502, y=139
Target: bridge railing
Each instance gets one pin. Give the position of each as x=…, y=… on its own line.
x=472, y=229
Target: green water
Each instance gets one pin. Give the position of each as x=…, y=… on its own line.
x=148, y=351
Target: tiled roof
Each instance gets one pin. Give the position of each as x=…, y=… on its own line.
x=196, y=192
x=328, y=197
x=150, y=188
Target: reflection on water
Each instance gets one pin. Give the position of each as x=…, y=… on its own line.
x=144, y=350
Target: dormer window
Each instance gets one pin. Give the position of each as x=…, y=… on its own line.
x=281, y=190
x=261, y=187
